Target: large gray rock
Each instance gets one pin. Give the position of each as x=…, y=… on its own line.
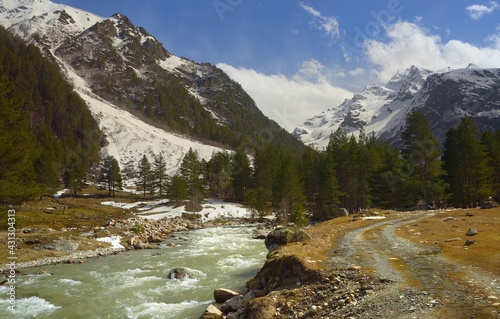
x=291, y=233
x=61, y=245
x=489, y=204
x=221, y=295
x=472, y=232
x=212, y=313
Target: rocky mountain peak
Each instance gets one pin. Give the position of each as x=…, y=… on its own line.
x=444, y=96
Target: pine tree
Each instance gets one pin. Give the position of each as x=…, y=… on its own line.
x=177, y=189
x=466, y=162
x=159, y=175
x=329, y=191
x=191, y=172
x=241, y=174
x=218, y=175
x=423, y=168
x=386, y=181
x=288, y=191
x=144, y=175
x=110, y=174
x=491, y=141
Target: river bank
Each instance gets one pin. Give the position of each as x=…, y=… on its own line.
x=352, y=268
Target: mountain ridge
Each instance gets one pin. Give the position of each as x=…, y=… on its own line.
x=444, y=96
x=113, y=61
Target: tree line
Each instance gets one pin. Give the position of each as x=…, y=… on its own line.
x=354, y=173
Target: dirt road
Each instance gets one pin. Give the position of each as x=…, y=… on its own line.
x=425, y=284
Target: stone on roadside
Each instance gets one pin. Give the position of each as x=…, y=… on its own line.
x=469, y=242
x=472, y=232
x=291, y=233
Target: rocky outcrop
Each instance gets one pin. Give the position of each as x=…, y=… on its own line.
x=221, y=295
x=291, y=233
x=281, y=270
x=212, y=312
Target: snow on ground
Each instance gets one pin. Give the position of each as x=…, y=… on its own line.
x=113, y=240
x=373, y=217
x=60, y=193
x=212, y=209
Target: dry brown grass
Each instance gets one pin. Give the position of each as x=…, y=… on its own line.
x=437, y=230
x=65, y=218
x=314, y=253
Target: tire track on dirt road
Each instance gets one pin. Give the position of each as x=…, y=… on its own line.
x=414, y=266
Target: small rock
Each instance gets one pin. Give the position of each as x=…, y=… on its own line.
x=469, y=242
x=472, y=232
x=469, y=214
x=27, y=230
x=453, y=239
x=447, y=219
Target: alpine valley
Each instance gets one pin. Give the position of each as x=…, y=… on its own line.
x=444, y=96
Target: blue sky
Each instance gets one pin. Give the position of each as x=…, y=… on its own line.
x=298, y=58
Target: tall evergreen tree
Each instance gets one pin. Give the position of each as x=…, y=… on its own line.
x=466, y=162
x=491, y=141
x=386, y=182
x=329, y=190
x=241, y=174
x=159, y=175
x=110, y=174
x=265, y=167
x=144, y=175
x=421, y=154
x=191, y=172
x=177, y=188
x=218, y=175
x=288, y=191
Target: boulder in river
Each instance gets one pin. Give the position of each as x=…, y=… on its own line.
x=291, y=233
x=178, y=273
x=222, y=294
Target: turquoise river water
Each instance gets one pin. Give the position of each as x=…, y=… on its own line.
x=134, y=284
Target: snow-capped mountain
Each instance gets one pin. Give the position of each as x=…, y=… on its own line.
x=444, y=96
x=130, y=81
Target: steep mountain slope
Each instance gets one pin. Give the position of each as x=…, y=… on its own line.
x=47, y=133
x=443, y=96
x=120, y=65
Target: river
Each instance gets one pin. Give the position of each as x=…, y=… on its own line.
x=134, y=284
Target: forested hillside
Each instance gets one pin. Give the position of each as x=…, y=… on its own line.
x=352, y=174
x=47, y=134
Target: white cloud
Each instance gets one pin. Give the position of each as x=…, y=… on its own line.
x=477, y=11
x=328, y=25
x=409, y=44
x=289, y=100
x=357, y=71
